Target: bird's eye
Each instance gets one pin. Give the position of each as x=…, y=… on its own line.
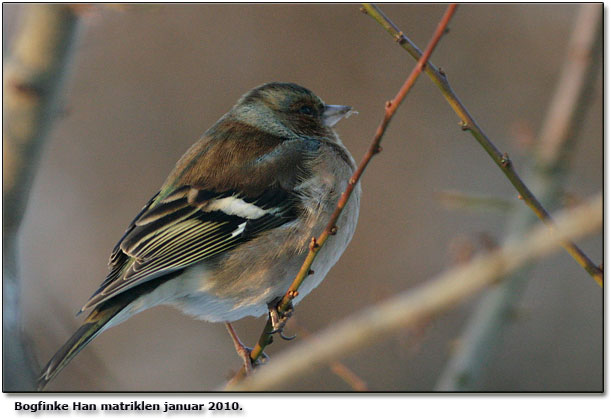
x=306, y=110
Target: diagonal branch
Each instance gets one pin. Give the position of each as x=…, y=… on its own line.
x=468, y=123
x=317, y=243
x=467, y=363
x=433, y=297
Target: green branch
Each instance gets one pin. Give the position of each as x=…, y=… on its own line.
x=556, y=140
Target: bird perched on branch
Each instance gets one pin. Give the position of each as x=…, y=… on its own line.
x=230, y=227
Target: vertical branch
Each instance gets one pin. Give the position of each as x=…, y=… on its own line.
x=569, y=103
x=33, y=75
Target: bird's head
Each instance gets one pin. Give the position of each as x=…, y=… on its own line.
x=275, y=107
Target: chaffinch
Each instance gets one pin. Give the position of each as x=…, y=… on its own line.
x=230, y=227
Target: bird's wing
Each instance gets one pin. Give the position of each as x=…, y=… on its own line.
x=186, y=227
x=222, y=193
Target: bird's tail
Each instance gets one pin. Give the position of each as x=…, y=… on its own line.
x=93, y=326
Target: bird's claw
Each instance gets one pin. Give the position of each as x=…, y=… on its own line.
x=279, y=332
x=278, y=322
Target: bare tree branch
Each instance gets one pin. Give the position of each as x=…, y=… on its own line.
x=569, y=103
x=468, y=123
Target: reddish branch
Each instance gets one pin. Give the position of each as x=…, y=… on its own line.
x=331, y=228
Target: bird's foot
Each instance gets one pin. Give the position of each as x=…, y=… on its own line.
x=249, y=365
x=244, y=351
x=279, y=322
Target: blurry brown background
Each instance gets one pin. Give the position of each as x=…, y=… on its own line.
x=147, y=81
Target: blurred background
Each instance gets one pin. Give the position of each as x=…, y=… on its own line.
x=147, y=81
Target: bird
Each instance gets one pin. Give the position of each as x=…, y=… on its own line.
x=229, y=229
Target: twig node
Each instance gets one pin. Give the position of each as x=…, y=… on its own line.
x=505, y=161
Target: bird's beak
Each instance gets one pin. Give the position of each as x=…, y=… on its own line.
x=334, y=113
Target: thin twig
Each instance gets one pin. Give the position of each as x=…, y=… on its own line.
x=338, y=368
x=466, y=365
x=468, y=123
x=346, y=374
x=317, y=243
x=432, y=298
